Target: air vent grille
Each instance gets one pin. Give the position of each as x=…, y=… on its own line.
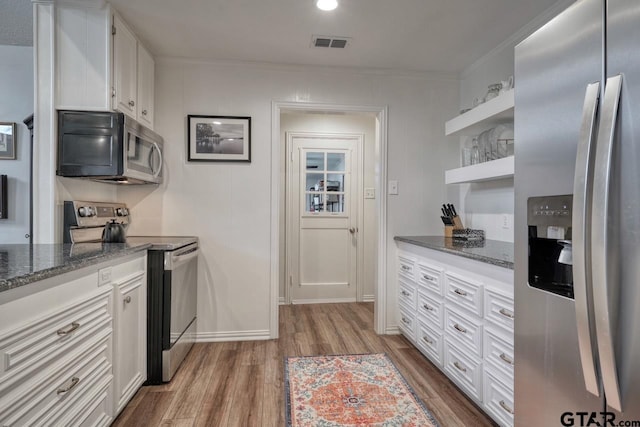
x=330, y=42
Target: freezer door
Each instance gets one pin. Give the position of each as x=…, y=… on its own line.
x=623, y=38
x=554, y=67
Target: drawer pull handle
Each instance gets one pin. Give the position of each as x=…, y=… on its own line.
x=74, y=382
x=127, y=299
x=460, y=328
x=427, y=340
x=506, y=313
x=406, y=268
x=506, y=407
x=506, y=359
x=426, y=307
x=73, y=327
x=132, y=103
x=460, y=292
x=459, y=367
x=404, y=319
x=405, y=293
x=429, y=278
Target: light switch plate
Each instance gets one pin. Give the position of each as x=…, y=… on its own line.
x=393, y=187
x=369, y=193
x=505, y=221
x=104, y=276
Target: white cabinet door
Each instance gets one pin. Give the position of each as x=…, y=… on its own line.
x=131, y=337
x=146, y=70
x=125, y=65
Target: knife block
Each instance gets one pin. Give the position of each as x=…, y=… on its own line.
x=457, y=225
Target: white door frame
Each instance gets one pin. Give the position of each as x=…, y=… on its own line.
x=358, y=194
x=277, y=192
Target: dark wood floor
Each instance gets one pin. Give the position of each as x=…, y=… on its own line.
x=241, y=383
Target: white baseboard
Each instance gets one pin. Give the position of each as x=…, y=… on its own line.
x=392, y=330
x=323, y=301
x=281, y=301
x=368, y=298
x=233, y=336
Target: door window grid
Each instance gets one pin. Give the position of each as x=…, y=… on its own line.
x=320, y=198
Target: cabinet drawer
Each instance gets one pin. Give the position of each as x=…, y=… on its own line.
x=430, y=309
x=499, y=353
x=498, y=400
x=407, y=294
x=463, y=370
x=406, y=267
x=464, y=292
x=499, y=309
x=430, y=278
x=66, y=393
x=463, y=330
x=407, y=322
x=430, y=342
x=36, y=344
x=122, y=271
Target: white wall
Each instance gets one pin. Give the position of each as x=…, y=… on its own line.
x=485, y=205
x=16, y=103
x=228, y=205
x=335, y=123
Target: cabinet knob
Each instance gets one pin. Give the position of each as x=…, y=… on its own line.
x=131, y=103
x=144, y=112
x=127, y=299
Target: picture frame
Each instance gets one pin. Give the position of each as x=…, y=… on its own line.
x=7, y=141
x=218, y=138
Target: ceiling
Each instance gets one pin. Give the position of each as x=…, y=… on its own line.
x=16, y=25
x=410, y=35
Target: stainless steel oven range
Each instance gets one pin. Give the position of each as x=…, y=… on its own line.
x=172, y=282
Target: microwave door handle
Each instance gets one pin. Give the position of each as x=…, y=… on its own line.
x=157, y=148
x=581, y=243
x=604, y=262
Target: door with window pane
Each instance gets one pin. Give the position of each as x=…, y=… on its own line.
x=322, y=194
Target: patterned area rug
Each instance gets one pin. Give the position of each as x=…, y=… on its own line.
x=353, y=390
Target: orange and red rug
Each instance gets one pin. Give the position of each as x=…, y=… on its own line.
x=352, y=390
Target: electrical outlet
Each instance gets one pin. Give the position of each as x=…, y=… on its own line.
x=506, y=221
x=369, y=193
x=104, y=276
x=393, y=187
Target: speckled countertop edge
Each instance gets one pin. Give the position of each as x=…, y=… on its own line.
x=70, y=265
x=445, y=244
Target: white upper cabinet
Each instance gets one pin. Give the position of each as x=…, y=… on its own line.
x=146, y=71
x=100, y=63
x=125, y=68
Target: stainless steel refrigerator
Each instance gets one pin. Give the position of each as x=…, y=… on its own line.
x=577, y=225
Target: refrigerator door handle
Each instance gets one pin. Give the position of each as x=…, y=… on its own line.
x=603, y=262
x=581, y=242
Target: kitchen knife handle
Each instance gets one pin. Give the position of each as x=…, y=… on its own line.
x=604, y=263
x=581, y=243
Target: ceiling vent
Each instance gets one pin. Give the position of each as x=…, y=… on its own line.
x=330, y=42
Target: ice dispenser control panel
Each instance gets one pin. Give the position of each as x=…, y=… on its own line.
x=550, y=246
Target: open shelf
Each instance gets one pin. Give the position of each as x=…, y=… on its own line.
x=493, y=112
x=494, y=169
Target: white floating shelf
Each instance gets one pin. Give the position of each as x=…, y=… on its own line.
x=495, y=169
x=493, y=112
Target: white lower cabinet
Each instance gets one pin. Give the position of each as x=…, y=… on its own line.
x=57, y=343
x=459, y=314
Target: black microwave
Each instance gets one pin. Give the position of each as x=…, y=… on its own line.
x=108, y=147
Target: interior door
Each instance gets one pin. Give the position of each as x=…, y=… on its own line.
x=322, y=218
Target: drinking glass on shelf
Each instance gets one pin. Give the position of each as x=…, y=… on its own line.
x=475, y=152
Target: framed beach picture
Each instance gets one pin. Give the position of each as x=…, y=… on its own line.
x=218, y=138
x=7, y=141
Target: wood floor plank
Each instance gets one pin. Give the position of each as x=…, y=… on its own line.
x=238, y=384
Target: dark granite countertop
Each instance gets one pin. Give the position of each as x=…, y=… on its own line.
x=22, y=264
x=489, y=251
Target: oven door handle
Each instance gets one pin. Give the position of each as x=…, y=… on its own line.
x=175, y=259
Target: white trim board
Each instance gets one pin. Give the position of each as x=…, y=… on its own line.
x=225, y=336
x=323, y=301
x=381, y=115
x=368, y=298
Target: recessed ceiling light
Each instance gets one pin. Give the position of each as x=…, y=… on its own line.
x=326, y=4
x=217, y=123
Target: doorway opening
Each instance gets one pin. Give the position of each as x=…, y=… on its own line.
x=307, y=136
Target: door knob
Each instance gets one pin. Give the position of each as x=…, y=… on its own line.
x=352, y=230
